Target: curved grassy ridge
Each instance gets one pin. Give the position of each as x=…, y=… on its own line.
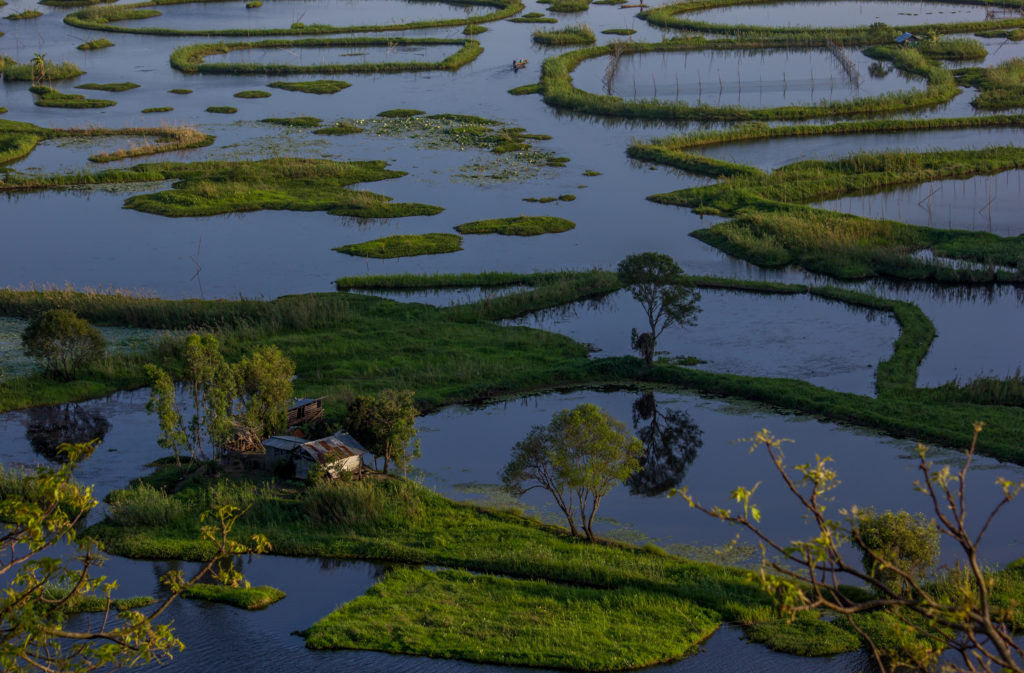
x=515, y=622
x=404, y=245
x=558, y=90
x=523, y=225
x=770, y=226
x=47, y=96
x=348, y=344
x=673, y=16
x=189, y=58
x=220, y=187
x=105, y=18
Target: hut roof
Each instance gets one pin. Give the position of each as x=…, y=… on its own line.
x=303, y=402
x=906, y=37
x=326, y=450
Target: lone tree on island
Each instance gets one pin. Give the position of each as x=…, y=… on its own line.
x=386, y=425
x=665, y=293
x=63, y=342
x=578, y=458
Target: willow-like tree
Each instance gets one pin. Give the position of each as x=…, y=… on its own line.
x=63, y=342
x=385, y=424
x=665, y=294
x=578, y=458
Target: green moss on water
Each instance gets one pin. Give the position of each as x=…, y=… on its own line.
x=522, y=225
x=295, y=122
x=475, y=29
x=222, y=109
x=49, y=97
x=525, y=90
x=252, y=93
x=319, y=86
x=112, y=86
x=338, y=129
x=618, y=31
x=400, y=112
x=180, y=92
x=247, y=598
x=91, y=45
x=150, y=110
x=404, y=245
x=254, y=4
x=23, y=16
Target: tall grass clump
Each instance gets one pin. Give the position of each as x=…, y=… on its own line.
x=579, y=34
x=27, y=72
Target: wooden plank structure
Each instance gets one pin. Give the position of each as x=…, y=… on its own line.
x=305, y=410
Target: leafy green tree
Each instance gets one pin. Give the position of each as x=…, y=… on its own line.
x=264, y=385
x=664, y=292
x=211, y=385
x=904, y=541
x=386, y=425
x=63, y=341
x=581, y=454
x=42, y=510
x=163, y=402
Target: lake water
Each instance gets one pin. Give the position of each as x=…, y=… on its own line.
x=843, y=14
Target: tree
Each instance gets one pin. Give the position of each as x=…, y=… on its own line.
x=906, y=541
x=264, y=384
x=960, y=610
x=577, y=458
x=671, y=441
x=386, y=425
x=665, y=294
x=38, y=68
x=211, y=384
x=63, y=341
x=43, y=509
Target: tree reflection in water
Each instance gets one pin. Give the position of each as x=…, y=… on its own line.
x=46, y=428
x=671, y=441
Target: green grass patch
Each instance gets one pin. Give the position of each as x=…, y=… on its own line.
x=254, y=4
x=525, y=90
x=338, y=129
x=252, y=93
x=74, y=3
x=954, y=49
x=222, y=109
x=26, y=72
x=618, y=31
x=568, y=6
x=400, y=112
x=247, y=598
x=190, y=58
x=404, y=245
x=107, y=18
x=534, y=17
x=483, y=618
x=92, y=45
x=112, y=86
x=296, y=122
x=591, y=173
x=151, y=110
x=23, y=16
x=91, y=603
x=18, y=139
x=475, y=29
x=1000, y=87
x=674, y=15
x=558, y=90
x=570, y=35
x=317, y=86
x=49, y=97
x=180, y=92
x=772, y=227
x=522, y=225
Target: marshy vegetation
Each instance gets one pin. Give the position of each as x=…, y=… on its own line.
x=523, y=225
x=18, y=139
x=101, y=43
x=47, y=96
x=107, y=18
x=534, y=17
x=404, y=245
x=579, y=34
x=295, y=122
x=318, y=86
x=39, y=70
x=112, y=86
x=1000, y=87
x=252, y=93
x=190, y=58
x=22, y=16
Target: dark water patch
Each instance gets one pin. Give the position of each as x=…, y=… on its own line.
x=802, y=337
x=841, y=14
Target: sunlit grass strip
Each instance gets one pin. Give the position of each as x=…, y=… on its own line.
x=317, y=86
x=771, y=227
x=570, y=35
x=112, y=86
x=18, y=139
x=459, y=615
x=522, y=225
x=404, y=245
x=49, y=97
x=189, y=58
x=92, y=45
x=247, y=598
x=105, y=18
x=252, y=93
x=674, y=16
x=558, y=90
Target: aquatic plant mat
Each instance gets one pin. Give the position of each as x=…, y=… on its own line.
x=218, y=187
x=18, y=139
x=106, y=18
x=772, y=227
x=190, y=58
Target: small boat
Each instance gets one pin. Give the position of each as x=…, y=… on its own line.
x=519, y=64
